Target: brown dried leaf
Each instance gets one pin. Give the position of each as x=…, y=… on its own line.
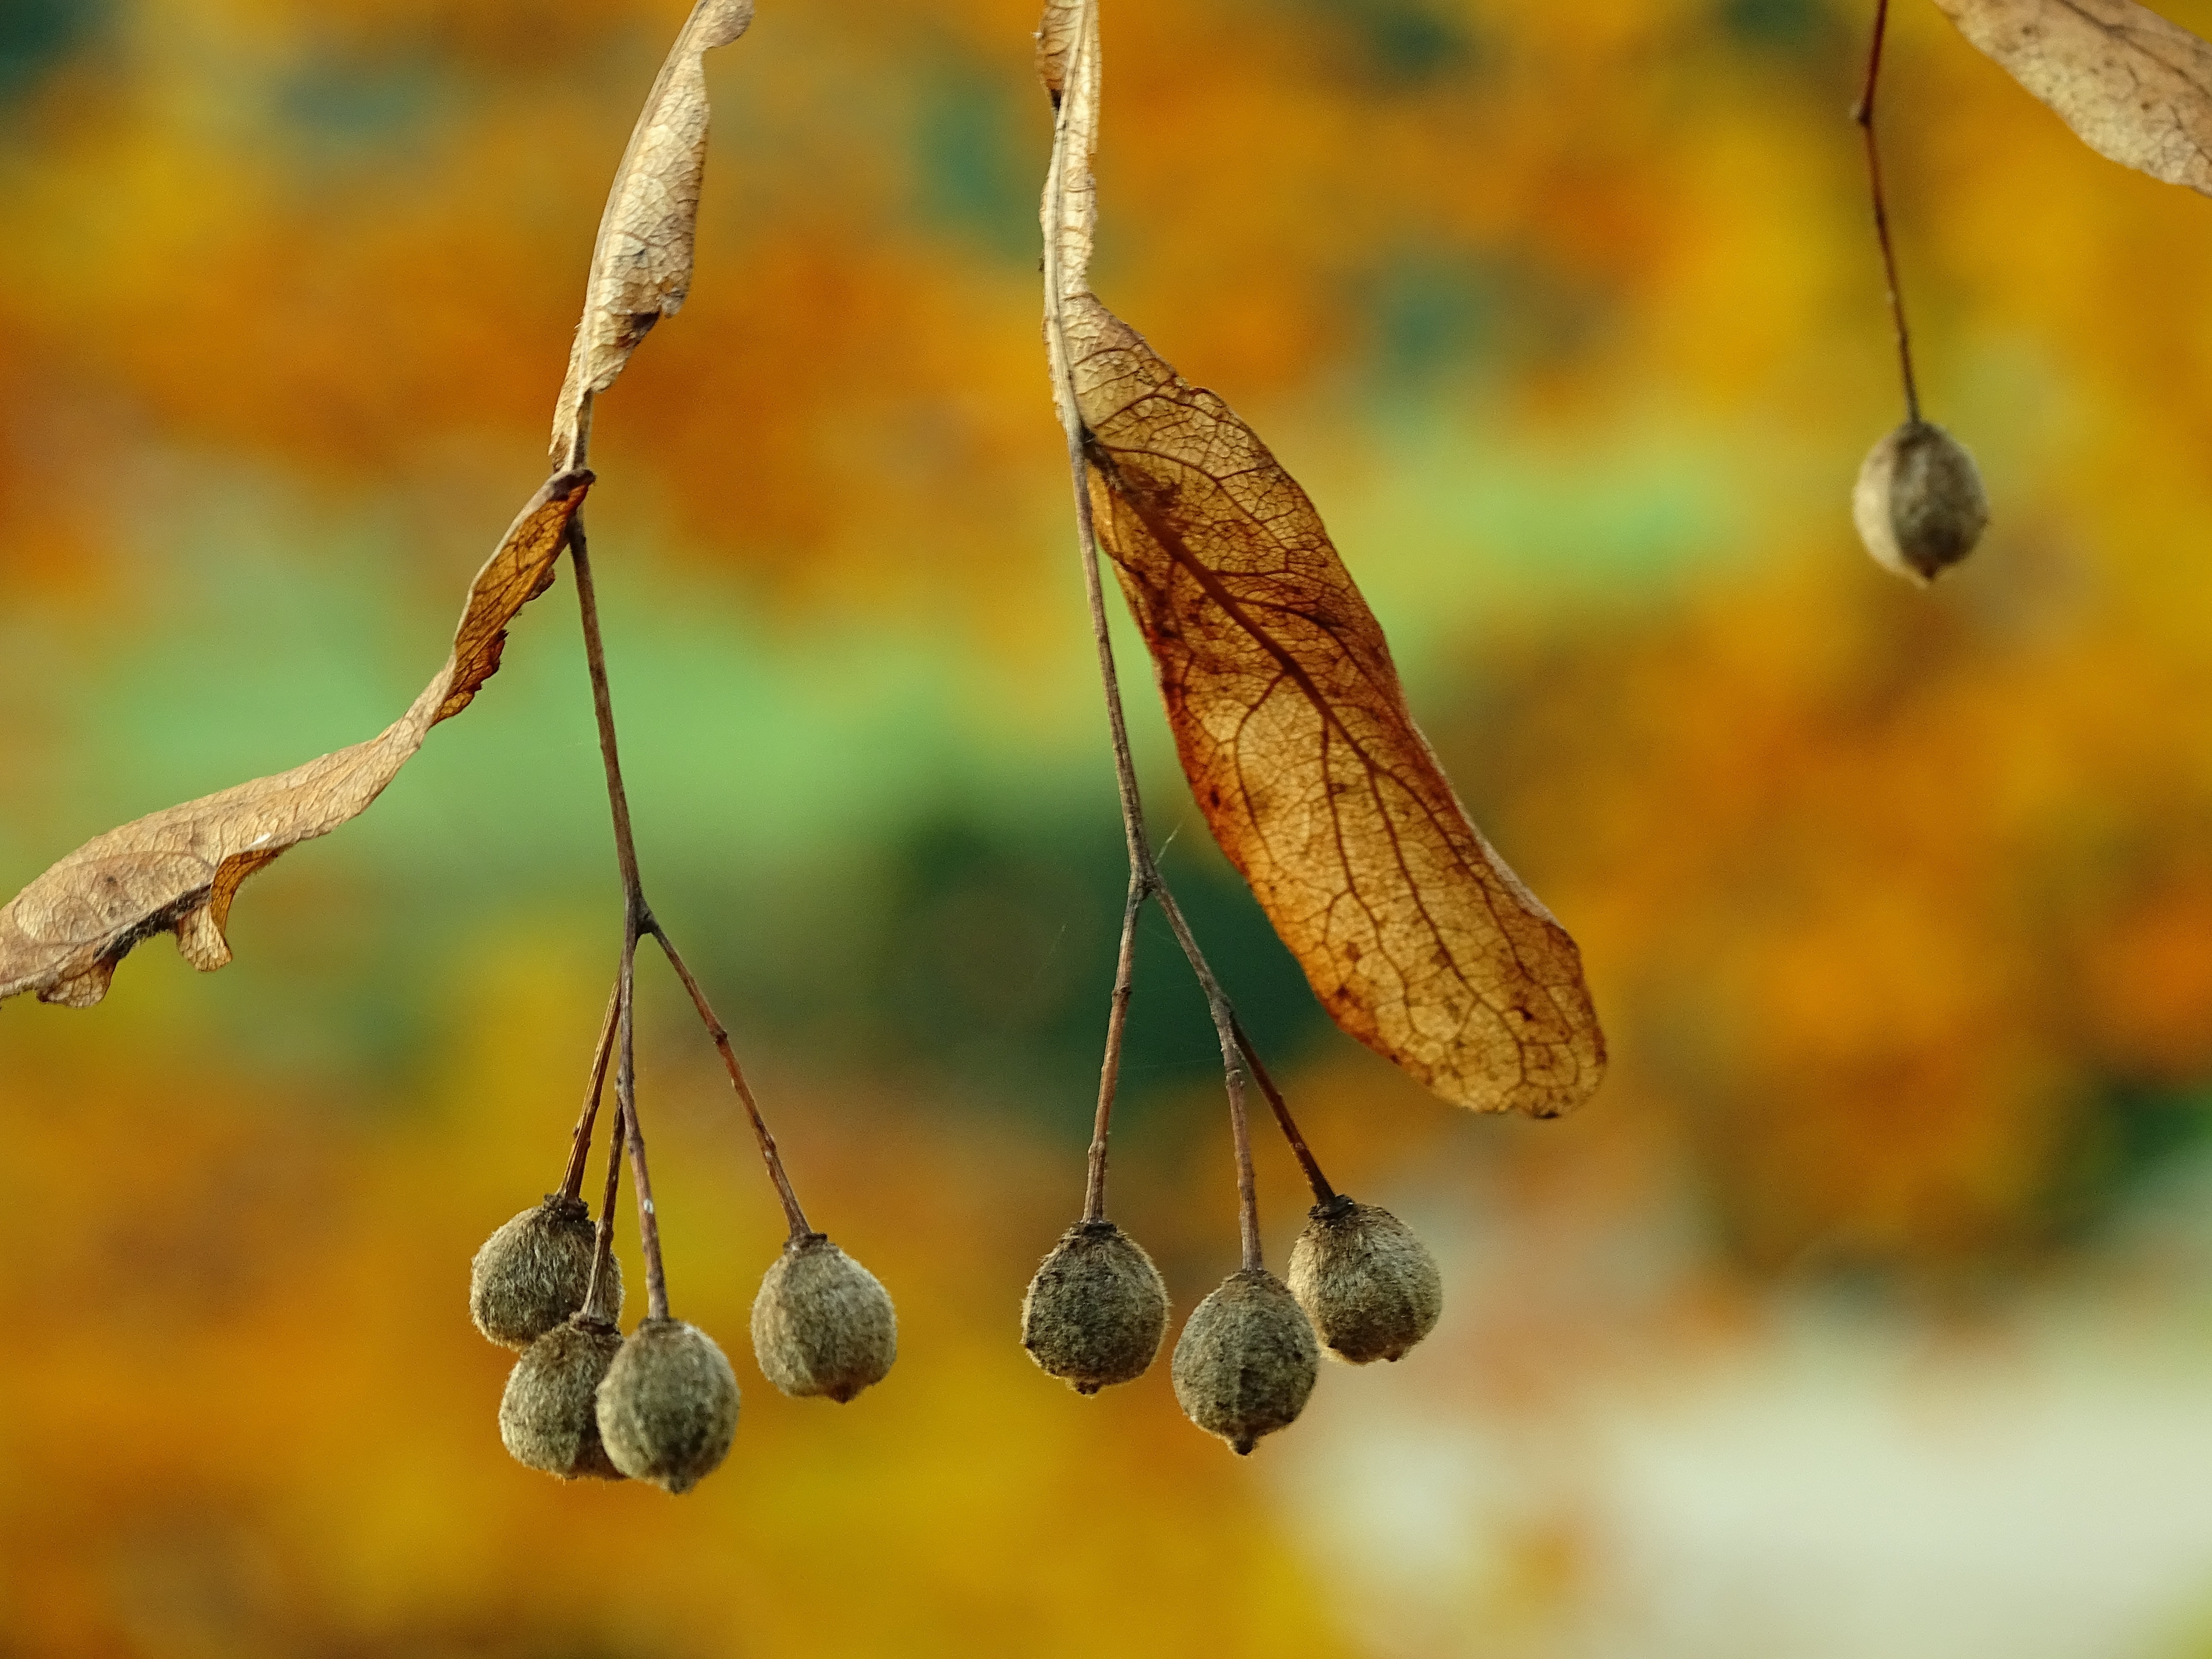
x=1287, y=708
x=641, y=260
x=1292, y=726
x=179, y=870
x=2134, y=88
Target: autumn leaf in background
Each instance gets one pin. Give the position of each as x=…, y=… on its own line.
x=1287, y=708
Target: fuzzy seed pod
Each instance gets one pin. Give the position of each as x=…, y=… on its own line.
x=1246, y=1360
x=1096, y=1311
x=533, y=1273
x=1918, y=503
x=1370, y=1288
x=668, y=1406
x=548, y=1416
x=822, y=1323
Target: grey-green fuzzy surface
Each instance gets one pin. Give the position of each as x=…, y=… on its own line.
x=548, y=1416
x=532, y=1272
x=1096, y=1311
x=668, y=1406
x=1370, y=1288
x=822, y=1323
x=1246, y=1359
x=1918, y=503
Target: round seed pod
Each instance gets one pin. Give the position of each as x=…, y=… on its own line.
x=1246, y=1360
x=822, y=1323
x=1096, y=1311
x=532, y=1272
x=548, y=1416
x=1918, y=503
x=668, y=1406
x=1370, y=1288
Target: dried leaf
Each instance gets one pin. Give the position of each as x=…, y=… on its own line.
x=641, y=260
x=1287, y=708
x=2134, y=88
x=1292, y=726
x=179, y=870
x=1056, y=37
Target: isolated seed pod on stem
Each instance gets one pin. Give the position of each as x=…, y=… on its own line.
x=823, y=1324
x=1098, y=1309
x=1246, y=1360
x=548, y=1416
x=668, y=1406
x=1918, y=503
x=1370, y=1288
x=534, y=1272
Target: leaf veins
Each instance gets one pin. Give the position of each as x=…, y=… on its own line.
x=2134, y=88
x=1287, y=712
x=1294, y=732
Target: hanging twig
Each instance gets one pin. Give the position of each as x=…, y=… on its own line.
x=639, y=921
x=1862, y=113
x=1066, y=215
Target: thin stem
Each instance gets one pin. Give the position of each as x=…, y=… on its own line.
x=1144, y=874
x=720, y=1036
x=1322, y=1192
x=648, y=1219
x=1862, y=113
x=638, y=922
x=1232, y=1064
x=603, y=706
x=599, y=1296
x=579, y=1140
x=1110, y=1069
x=1144, y=879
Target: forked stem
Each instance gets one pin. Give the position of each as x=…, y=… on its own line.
x=1862, y=113
x=638, y=922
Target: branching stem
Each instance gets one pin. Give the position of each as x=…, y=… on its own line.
x=639, y=922
x=1862, y=113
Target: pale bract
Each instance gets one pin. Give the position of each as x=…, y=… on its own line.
x=641, y=259
x=2134, y=88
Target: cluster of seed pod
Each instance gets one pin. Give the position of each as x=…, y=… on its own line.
x=661, y=1405
x=1362, y=1287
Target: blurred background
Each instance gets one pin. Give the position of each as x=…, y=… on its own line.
x=1867, y=1310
